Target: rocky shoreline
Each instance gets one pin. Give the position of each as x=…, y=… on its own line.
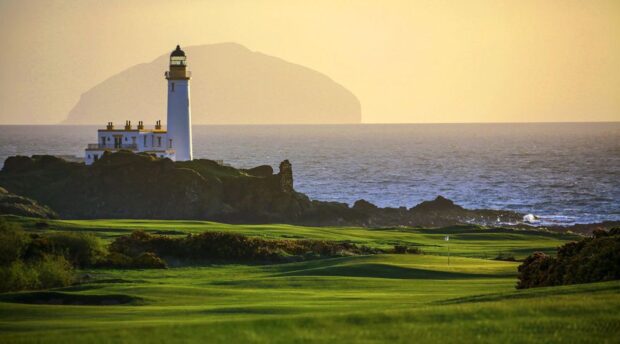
x=127, y=185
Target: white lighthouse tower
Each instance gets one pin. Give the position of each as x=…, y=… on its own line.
x=179, y=115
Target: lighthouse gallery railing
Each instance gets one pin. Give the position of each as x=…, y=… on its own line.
x=112, y=146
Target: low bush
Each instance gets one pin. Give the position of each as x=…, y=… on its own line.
x=53, y=272
x=30, y=261
x=145, y=260
x=81, y=249
x=148, y=260
x=49, y=272
x=17, y=275
x=402, y=249
x=505, y=257
x=13, y=242
x=588, y=260
x=229, y=246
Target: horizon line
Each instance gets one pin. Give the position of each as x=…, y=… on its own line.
x=317, y=124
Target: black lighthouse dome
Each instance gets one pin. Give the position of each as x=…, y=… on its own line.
x=177, y=52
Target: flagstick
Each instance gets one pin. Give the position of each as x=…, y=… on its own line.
x=448, y=253
x=447, y=239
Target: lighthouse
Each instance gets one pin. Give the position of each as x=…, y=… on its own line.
x=179, y=114
x=175, y=143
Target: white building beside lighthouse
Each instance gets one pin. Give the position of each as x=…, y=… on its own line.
x=174, y=143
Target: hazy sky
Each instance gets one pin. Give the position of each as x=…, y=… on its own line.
x=407, y=61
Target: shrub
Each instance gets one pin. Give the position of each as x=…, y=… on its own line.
x=49, y=272
x=17, y=276
x=13, y=242
x=400, y=249
x=81, y=249
x=505, y=257
x=31, y=262
x=145, y=260
x=414, y=250
x=53, y=272
x=229, y=246
x=148, y=260
x=403, y=249
x=588, y=260
x=41, y=225
x=115, y=260
x=535, y=271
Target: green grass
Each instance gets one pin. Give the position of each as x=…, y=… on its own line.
x=379, y=298
x=467, y=241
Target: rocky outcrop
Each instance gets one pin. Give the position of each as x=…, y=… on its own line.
x=286, y=176
x=127, y=185
x=11, y=204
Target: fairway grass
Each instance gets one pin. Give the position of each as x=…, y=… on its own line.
x=378, y=298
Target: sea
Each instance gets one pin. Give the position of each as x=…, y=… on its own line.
x=564, y=173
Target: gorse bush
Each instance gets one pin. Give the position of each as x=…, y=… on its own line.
x=403, y=249
x=13, y=242
x=230, y=246
x=149, y=260
x=18, y=275
x=588, y=260
x=53, y=271
x=81, y=249
x=31, y=261
x=48, y=272
x=144, y=260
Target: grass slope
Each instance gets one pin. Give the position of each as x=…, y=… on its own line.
x=468, y=241
x=380, y=298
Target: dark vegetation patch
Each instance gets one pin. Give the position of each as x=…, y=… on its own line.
x=168, y=232
x=23, y=206
x=30, y=261
x=477, y=232
x=114, y=281
x=79, y=287
x=406, y=249
x=506, y=257
x=375, y=270
x=59, y=298
x=220, y=246
x=592, y=259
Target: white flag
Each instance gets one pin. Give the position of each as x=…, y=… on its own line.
x=447, y=238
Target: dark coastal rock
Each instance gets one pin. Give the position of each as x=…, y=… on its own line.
x=364, y=206
x=127, y=185
x=439, y=204
x=286, y=176
x=260, y=171
x=11, y=204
